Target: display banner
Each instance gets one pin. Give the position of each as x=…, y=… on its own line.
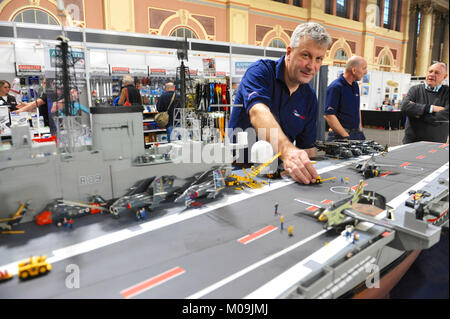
x=77, y=57
x=101, y=70
x=29, y=69
x=241, y=67
x=139, y=70
x=120, y=70
x=209, y=67
x=158, y=71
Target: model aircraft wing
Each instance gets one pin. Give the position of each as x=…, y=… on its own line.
x=365, y=218
x=313, y=210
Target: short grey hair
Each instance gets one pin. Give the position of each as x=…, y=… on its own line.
x=444, y=65
x=312, y=30
x=127, y=79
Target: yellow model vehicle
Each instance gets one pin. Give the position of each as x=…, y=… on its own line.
x=36, y=265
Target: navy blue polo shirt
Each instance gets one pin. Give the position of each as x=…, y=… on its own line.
x=342, y=100
x=263, y=82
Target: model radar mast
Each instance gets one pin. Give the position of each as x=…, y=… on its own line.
x=66, y=117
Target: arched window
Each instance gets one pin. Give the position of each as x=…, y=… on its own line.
x=183, y=33
x=277, y=43
x=385, y=63
x=340, y=58
x=35, y=16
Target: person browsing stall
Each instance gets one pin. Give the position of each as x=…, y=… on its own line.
x=129, y=92
x=426, y=108
x=5, y=97
x=342, y=110
x=167, y=102
x=276, y=97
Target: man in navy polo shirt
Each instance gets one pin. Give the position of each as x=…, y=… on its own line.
x=277, y=98
x=342, y=111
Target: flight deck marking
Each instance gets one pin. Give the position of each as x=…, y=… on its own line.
x=152, y=282
x=405, y=164
x=385, y=174
x=246, y=270
x=420, y=157
x=356, y=186
x=286, y=280
x=258, y=234
x=442, y=146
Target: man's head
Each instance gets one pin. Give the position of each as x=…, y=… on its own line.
x=170, y=86
x=356, y=67
x=437, y=73
x=127, y=80
x=305, y=53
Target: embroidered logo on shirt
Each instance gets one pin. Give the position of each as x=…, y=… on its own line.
x=298, y=115
x=330, y=108
x=254, y=92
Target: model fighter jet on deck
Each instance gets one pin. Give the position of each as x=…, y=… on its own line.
x=209, y=184
x=341, y=213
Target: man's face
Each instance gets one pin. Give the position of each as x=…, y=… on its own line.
x=360, y=70
x=304, y=61
x=436, y=74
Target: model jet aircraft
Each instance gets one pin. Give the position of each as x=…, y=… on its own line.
x=148, y=193
x=209, y=184
x=341, y=213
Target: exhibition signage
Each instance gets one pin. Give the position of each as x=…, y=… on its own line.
x=29, y=69
x=158, y=71
x=241, y=67
x=209, y=66
x=120, y=70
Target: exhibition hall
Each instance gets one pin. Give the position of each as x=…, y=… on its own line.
x=224, y=151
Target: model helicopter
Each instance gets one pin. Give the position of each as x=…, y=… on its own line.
x=341, y=213
x=209, y=184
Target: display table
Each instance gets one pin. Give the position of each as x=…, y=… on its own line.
x=394, y=119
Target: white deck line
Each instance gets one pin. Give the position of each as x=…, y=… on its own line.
x=285, y=281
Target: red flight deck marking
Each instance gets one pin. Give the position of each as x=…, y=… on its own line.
x=432, y=151
x=152, y=282
x=405, y=164
x=258, y=234
x=420, y=157
x=326, y=201
x=442, y=146
x=386, y=173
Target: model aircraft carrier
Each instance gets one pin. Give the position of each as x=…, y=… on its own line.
x=235, y=247
x=114, y=162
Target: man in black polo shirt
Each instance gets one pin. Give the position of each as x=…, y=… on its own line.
x=342, y=111
x=426, y=108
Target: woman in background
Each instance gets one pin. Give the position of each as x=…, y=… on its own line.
x=5, y=97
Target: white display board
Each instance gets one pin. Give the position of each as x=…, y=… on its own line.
x=374, y=86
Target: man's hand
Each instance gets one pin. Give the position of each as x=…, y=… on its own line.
x=437, y=108
x=297, y=163
x=21, y=105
